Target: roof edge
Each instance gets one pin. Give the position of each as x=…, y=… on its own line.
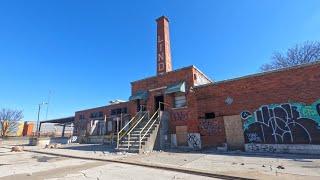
x=180, y=69
x=261, y=74
x=106, y=106
x=202, y=73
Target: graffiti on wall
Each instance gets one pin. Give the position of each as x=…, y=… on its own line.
x=289, y=123
x=209, y=127
x=283, y=148
x=180, y=116
x=253, y=137
x=194, y=140
x=261, y=148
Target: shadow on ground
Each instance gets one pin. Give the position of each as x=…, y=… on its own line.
x=91, y=147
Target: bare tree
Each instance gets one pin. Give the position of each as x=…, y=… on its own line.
x=299, y=54
x=9, y=121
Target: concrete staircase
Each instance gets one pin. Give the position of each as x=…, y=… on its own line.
x=146, y=129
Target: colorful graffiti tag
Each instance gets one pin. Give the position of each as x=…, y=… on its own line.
x=289, y=123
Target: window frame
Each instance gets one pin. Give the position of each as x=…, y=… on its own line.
x=179, y=95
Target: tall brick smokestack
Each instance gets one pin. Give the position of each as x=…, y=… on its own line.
x=164, y=63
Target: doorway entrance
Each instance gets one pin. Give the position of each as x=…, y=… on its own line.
x=157, y=101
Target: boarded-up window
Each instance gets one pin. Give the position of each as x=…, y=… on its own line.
x=180, y=101
x=182, y=135
x=234, y=134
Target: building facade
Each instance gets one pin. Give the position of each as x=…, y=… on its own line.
x=277, y=107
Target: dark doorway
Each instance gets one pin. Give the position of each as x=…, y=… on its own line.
x=157, y=100
x=138, y=105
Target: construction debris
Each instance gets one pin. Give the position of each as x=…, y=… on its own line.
x=280, y=167
x=53, y=146
x=17, y=149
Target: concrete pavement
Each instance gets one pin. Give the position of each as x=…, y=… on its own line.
x=37, y=166
x=257, y=166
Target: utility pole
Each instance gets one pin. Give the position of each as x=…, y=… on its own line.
x=38, y=121
x=48, y=102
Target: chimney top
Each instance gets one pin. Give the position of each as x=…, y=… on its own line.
x=162, y=17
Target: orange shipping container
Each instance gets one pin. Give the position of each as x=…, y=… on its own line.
x=28, y=129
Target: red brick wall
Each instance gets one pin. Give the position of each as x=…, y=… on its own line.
x=169, y=78
x=86, y=113
x=105, y=109
x=179, y=116
x=161, y=81
x=297, y=85
x=212, y=132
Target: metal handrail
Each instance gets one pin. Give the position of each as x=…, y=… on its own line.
x=137, y=122
x=140, y=138
x=158, y=111
x=129, y=133
x=118, y=135
x=150, y=120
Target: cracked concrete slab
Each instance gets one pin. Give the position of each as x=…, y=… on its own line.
x=122, y=171
x=34, y=166
x=260, y=166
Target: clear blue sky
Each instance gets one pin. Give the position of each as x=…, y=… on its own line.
x=87, y=52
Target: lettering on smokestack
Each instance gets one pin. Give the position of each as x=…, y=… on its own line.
x=163, y=46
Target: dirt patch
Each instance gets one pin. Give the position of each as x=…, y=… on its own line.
x=47, y=158
x=4, y=164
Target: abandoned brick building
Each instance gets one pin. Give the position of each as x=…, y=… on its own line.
x=183, y=107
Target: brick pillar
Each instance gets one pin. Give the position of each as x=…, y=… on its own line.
x=163, y=46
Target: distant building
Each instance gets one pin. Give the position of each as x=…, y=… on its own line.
x=29, y=128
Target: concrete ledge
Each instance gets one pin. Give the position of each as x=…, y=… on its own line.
x=284, y=148
x=43, y=141
x=38, y=141
x=35, y=141
x=15, y=140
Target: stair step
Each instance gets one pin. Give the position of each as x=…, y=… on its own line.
x=126, y=148
x=138, y=128
x=142, y=124
x=131, y=145
x=138, y=135
x=130, y=150
x=134, y=137
x=146, y=128
x=132, y=142
x=137, y=132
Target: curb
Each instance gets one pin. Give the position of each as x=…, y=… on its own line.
x=168, y=168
